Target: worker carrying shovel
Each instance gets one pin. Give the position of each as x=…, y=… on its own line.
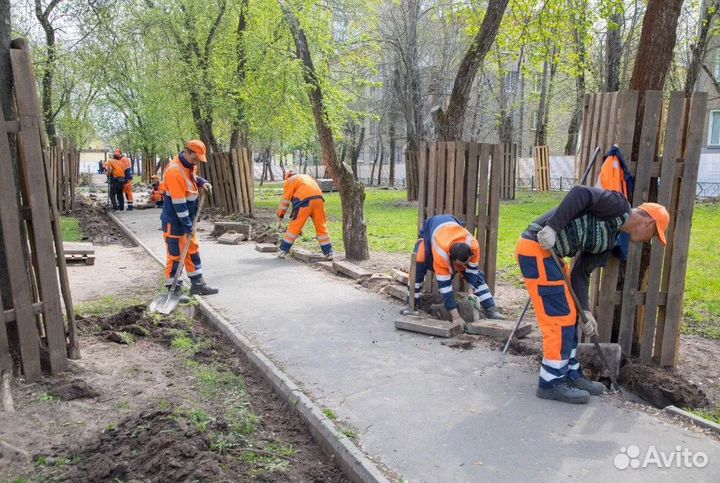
x=305, y=196
x=180, y=202
x=586, y=224
x=446, y=248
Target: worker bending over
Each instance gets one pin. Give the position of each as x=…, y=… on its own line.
x=586, y=224
x=180, y=203
x=156, y=191
x=305, y=196
x=446, y=248
x=117, y=173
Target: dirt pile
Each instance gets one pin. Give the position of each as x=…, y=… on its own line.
x=661, y=388
x=161, y=446
x=131, y=319
x=97, y=226
x=73, y=389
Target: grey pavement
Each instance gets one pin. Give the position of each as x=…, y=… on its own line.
x=426, y=412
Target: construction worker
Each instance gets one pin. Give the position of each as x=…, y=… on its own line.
x=117, y=174
x=586, y=224
x=446, y=248
x=156, y=191
x=303, y=192
x=181, y=185
x=128, y=187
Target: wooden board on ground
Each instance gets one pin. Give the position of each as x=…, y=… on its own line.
x=429, y=326
x=266, y=247
x=78, y=248
x=306, y=255
x=351, y=270
x=498, y=329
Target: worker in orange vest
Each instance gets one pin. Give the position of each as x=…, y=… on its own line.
x=127, y=187
x=585, y=225
x=180, y=204
x=117, y=173
x=305, y=196
x=446, y=248
x=156, y=191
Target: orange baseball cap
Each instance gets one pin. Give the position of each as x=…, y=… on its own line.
x=289, y=173
x=661, y=217
x=197, y=147
x=118, y=152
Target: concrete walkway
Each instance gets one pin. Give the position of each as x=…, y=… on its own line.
x=427, y=412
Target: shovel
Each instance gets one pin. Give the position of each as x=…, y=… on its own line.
x=165, y=304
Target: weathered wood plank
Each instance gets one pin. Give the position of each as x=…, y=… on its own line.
x=441, y=176
x=411, y=281
x=471, y=191
x=646, y=158
x=422, y=175
x=493, y=216
x=450, y=161
x=432, y=181
x=459, y=206
x=31, y=163
x=483, y=172
x=681, y=236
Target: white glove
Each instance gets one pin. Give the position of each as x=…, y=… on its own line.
x=547, y=238
x=208, y=188
x=590, y=327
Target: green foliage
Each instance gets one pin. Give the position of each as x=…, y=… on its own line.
x=70, y=229
x=107, y=305
x=330, y=414
x=712, y=415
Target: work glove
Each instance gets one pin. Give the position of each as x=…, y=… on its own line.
x=590, y=327
x=547, y=238
x=207, y=187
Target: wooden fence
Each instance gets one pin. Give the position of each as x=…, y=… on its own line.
x=231, y=175
x=411, y=175
x=149, y=168
x=661, y=142
x=36, y=270
x=463, y=179
x=509, y=172
x=542, y=167
x=63, y=162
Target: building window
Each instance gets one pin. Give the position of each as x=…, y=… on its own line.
x=510, y=81
x=716, y=70
x=714, y=129
x=533, y=121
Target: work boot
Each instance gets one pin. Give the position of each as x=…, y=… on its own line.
x=130, y=208
x=183, y=299
x=200, y=287
x=329, y=256
x=564, y=392
x=593, y=387
x=282, y=254
x=493, y=313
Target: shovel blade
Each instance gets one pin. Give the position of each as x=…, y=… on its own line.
x=164, y=304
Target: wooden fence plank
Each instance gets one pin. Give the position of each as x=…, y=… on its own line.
x=681, y=236
x=493, y=215
x=250, y=179
x=459, y=184
x=422, y=183
x=441, y=176
x=584, y=152
x=29, y=140
x=451, y=162
x=471, y=191
x=17, y=271
x=238, y=176
x=482, y=210
x=431, y=180
x=646, y=158
x=671, y=152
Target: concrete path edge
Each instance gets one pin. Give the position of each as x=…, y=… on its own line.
x=693, y=418
x=354, y=463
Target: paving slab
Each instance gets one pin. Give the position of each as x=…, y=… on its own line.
x=237, y=227
x=351, y=270
x=231, y=238
x=306, y=255
x=429, y=413
x=428, y=325
x=397, y=291
x=498, y=329
x=400, y=276
x=266, y=247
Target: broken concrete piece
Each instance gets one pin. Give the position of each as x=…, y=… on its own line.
x=325, y=266
x=589, y=359
x=426, y=325
x=400, y=276
x=351, y=270
x=226, y=226
x=232, y=238
x=498, y=329
x=266, y=247
x=306, y=255
x=467, y=311
x=377, y=280
x=397, y=291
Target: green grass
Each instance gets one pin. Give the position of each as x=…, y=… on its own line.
x=108, y=305
x=70, y=229
x=712, y=415
x=392, y=227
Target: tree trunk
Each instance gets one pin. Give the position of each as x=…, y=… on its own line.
x=613, y=52
x=549, y=70
x=707, y=13
x=239, y=135
x=391, y=135
x=580, y=53
x=449, y=124
x=48, y=72
x=382, y=158
x=374, y=165
x=352, y=192
x=657, y=42
x=356, y=151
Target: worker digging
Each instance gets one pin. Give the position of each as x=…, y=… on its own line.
x=305, y=196
x=181, y=184
x=585, y=225
x=446, y=248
